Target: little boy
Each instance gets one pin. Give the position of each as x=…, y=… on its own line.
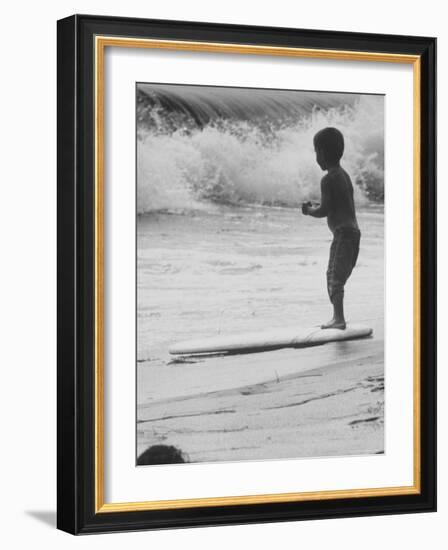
x=338, y=207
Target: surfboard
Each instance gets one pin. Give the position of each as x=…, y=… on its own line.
x=288, y=337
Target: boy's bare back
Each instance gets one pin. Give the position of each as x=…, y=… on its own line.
x=337, y=199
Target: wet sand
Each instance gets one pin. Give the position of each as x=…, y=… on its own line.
x=234, y=270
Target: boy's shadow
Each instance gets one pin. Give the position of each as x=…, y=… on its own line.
x=44, y=516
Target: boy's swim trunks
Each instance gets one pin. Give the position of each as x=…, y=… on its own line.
x=343, y=255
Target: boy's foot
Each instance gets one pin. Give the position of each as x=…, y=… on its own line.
x=334, y=324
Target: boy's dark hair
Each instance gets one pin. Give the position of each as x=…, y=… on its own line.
x=331, y=142
x=161, y=454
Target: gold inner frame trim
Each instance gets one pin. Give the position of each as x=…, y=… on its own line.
x=101, y=42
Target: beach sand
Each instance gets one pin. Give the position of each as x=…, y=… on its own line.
x=228, y=270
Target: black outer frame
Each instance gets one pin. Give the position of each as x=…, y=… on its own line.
x=75, y=172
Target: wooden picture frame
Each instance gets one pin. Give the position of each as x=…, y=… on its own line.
x=82, y=40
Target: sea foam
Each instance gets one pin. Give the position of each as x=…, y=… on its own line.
x=188, y=162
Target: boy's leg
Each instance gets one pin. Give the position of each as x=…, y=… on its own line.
x=336, y=277
x=335, y=285
x=338, y=310
x=338, y=320
x=343, y=255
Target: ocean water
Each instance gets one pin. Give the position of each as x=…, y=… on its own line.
x=222, y=245
x=243, y=269
x=201, y=146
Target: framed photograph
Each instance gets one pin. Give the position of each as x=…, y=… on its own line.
x=246, y=274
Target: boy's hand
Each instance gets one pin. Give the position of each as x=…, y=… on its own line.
x=305, y=207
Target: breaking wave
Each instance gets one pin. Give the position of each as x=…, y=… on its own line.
x=199, y=145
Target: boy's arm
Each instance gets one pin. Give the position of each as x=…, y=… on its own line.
x=321, y=211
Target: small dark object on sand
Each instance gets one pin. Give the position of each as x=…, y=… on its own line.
x=161, y=454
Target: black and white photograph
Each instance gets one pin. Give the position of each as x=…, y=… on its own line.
x=260, y=273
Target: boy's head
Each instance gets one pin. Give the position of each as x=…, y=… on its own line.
x=329, y=147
